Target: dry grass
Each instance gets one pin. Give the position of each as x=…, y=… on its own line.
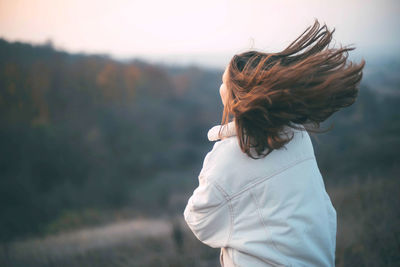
x=368, y=222
x=134, y=243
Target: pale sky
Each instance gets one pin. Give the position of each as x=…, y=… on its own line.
x=206, y=32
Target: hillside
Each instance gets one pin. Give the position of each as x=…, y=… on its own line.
x=83, y=135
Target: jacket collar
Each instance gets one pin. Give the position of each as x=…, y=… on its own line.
x=226, y=131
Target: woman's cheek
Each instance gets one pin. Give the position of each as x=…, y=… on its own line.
x=223, y=93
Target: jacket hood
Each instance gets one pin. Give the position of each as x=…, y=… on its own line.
x=226, y=131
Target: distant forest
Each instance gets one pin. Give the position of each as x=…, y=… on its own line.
x=80, y=131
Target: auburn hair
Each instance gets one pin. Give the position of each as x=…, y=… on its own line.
x=299, y=87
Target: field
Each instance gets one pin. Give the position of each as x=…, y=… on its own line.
x=368, y=235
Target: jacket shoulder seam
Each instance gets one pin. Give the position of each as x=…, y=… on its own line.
x=262, y=179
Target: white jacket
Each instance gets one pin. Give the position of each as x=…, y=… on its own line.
x=272, y=211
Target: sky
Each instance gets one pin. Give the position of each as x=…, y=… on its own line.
x=206, y=32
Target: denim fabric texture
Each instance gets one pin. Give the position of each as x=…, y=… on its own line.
x=272, y=211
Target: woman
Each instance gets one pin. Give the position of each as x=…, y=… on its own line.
x=261, y=197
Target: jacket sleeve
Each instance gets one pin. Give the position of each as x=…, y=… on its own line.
x=207, y=213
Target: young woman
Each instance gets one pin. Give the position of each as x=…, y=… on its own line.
x=261, y=197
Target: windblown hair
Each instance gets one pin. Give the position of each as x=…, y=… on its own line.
x=294, y=88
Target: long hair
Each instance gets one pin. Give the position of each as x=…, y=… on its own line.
x=299, y=87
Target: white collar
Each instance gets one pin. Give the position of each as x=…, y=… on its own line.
x=230, y=130
x=226, y=131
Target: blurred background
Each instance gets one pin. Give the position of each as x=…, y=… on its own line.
x=104, y=113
